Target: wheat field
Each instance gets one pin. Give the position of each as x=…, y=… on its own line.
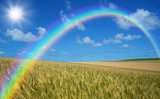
x=151, y=65
x=49, y=80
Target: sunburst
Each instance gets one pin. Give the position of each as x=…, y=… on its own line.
x=16, y=13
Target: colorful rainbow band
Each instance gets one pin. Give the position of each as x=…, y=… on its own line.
x=19, y=69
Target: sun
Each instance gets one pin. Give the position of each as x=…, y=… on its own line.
x=15, y=13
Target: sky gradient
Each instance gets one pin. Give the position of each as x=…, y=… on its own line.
x=101, y=39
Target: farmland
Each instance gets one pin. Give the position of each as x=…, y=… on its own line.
x=142, y=64
x=79, y=80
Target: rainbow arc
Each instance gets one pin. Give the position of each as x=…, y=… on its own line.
x=20, y=68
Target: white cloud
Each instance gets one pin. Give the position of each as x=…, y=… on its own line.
x=126, y=46
x=41, y=30
x=1, y=52
x=85, y=40
x=2, y=41
x=53, y=50
x=64, y=17
x=79, y=41
x=112, y=5
x=104, y=4
x=119, y=37
x=88, y=40
x=112, y=41
x=128, y=37
x=149, y=19
x=123, y=23
x=18, y=35
x=116, y=40
x=97, y=44
x=80, y=26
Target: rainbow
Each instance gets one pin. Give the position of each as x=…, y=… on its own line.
x=12, y=80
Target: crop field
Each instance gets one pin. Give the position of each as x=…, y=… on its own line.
x=151, y=65
x=87, y=81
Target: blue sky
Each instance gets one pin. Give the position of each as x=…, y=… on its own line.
x=101, y=39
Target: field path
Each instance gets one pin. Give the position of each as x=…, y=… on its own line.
x=143, y=65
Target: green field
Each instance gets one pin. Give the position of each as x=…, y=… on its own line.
x=71, y=80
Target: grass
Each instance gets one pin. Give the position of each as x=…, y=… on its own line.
x=68, y=80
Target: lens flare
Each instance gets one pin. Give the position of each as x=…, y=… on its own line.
x=15, y=13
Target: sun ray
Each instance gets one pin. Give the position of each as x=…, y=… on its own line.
x=15, y=14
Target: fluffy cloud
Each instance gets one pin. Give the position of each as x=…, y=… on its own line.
x=112, y=41
x=150, y=19
x=128, y=37
x=2, y=41
x=123, y=23
x=85, y=40
x=1, y=52
x=18, y=35
x=88, y=40
x=80, y=26
x=41, y=30
x=97, y=44
x=119, y=37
